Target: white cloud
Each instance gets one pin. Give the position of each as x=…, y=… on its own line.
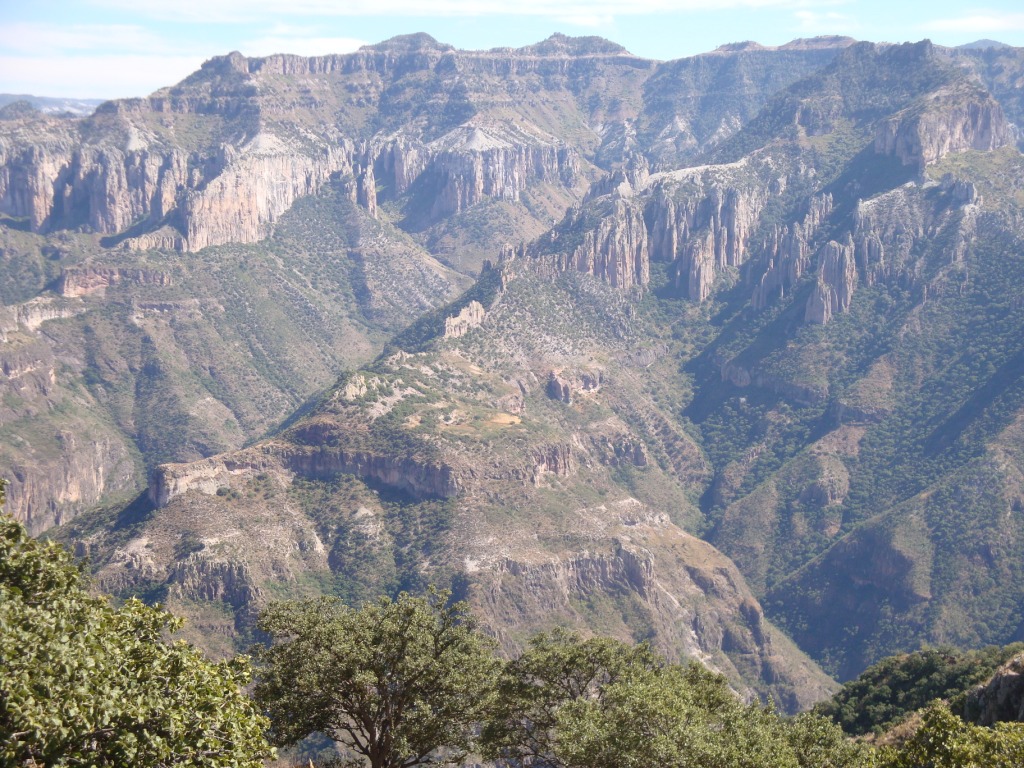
x=245, y=11
x=43, y=39
x=593, y=21
x=978, y=23
x=303, y=45
x=95, y=76
x=815, y=22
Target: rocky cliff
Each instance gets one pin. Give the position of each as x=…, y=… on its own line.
x=45, y=491
x=837, y=279
x=421, y=479
x=788, y=252
x=81, y=281
x=1001, y=699
x=951, y=120
x=796, y=333
x=220, y=157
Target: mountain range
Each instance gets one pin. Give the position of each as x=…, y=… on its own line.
x=721, y=353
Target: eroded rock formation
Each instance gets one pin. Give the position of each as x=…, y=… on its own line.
x=81, y=281
x=469, y=317
x=422, y=479
x=837, y=278
x=952, y=120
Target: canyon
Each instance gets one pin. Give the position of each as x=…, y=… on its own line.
x=720, y=353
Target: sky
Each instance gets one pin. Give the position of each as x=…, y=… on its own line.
x=121, y=48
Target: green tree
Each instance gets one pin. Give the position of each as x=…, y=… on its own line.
x=573, y=703
x=557, y=668
x=943, y=740
x=83, y=683
x=402, y=683
x=818, y=742
x=897, y=686
x=679, y=717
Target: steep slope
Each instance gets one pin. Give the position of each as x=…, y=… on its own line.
x=130, y=359
x=802, y=345
x=318, y=195
x=693, y=104
x=515, y=453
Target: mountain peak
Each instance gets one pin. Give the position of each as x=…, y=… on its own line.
x=821, y=41
x=983, y=44
x=562, y=44
x=418, y=41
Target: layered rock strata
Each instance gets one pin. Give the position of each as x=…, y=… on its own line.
x=421, y=479
x=948, y=121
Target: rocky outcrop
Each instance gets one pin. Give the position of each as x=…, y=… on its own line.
x=1001, y=699
x=468, y=318
x=701, y=221
x=33, y=313
x=45, y=491
x=202, y=577
x=613, y=249
x=421, y=479
x=837, y=279
x=81, y=281
x=562, y=385
x=557, y=460
x=366, y=191
x=620, y=450
x=952, y=120
x=788, y=253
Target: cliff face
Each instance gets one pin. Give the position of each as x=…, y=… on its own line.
x=696, y=603
x=59, y=458
x=837, y=279
x=49, y=491
x=421, y=479
x=799, y=347
x=232, y=195
x=33, y=313
x=1001, y=699
x=616, y=251
x=953, y=120
x=258, y=183
x=220, y=157
x=702, y=223
x=81, y=281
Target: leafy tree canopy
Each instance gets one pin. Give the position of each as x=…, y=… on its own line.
x=945, y=741
x=84, y=683
x=403, y=682
x=895, y=687
x=573, y=703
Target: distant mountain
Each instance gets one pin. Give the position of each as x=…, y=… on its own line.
x=54, y=106
x=983, y=44
x=715, y=352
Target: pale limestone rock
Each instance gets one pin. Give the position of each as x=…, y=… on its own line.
x=81, y=281
x=470, y=317
x=952, y=120
x=837, y=279
x=789, y=253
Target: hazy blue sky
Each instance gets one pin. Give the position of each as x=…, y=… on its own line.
x=116, y=48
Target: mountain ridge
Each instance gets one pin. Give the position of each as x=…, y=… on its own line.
x=726, y=375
